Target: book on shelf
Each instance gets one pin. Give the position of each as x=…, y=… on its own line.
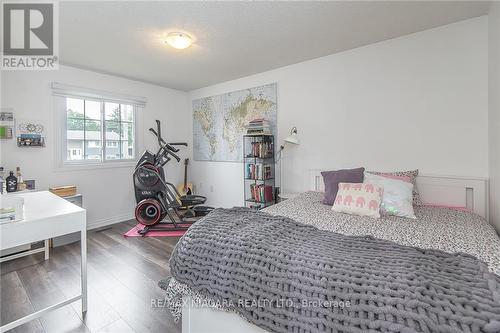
x=259, y=164
x=262, y=149
x=259, y=132
x=261, y=193
x=259, y=126
x=258, y=171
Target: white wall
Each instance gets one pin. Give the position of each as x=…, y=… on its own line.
x=494, y=112
x=419, y=101
x=108, y=193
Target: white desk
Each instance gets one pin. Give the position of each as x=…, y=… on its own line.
x=46, y=216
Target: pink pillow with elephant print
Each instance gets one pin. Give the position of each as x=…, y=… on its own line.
x=361, y=199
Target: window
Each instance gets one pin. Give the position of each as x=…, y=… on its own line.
x=92, y=122
x=94, y=144
x=74, y=153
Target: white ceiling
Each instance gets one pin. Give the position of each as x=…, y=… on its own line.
x=233, y=39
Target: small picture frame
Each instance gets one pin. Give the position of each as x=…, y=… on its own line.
x=6, y=124
x=30, y=184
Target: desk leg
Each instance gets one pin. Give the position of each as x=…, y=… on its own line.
x=83, y=244
x=46, y=246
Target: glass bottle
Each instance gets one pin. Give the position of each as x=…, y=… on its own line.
x=20, y=181
x=2, y=180
x=11, y=182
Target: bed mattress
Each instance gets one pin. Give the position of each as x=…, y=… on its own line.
x=439, y=228
x=435, y=228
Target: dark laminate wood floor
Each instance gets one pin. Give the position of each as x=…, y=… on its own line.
x=122, y=282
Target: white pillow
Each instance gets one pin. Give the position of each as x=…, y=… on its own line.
x=361, y=199
x=397, y=199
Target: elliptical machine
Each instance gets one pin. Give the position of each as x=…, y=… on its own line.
x=156, y=198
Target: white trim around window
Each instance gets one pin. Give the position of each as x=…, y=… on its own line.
x=61, y=149
x=66, y=90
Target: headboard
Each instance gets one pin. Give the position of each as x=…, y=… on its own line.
x=470, y=192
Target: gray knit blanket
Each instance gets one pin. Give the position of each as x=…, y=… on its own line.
x=284, y=276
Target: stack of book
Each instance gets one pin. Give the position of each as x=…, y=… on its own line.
x=63, y=191
x=261, y=193
x=258, y=171
x=262, y=149
x=259, y=126
x=7, y=214
x=11, y=209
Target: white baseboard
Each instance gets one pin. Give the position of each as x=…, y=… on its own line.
x=99, y=223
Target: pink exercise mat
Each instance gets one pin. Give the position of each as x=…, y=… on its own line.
x=164, y=233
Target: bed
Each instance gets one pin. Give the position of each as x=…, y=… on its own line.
x=447, y=229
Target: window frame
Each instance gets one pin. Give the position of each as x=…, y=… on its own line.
x=62, y=161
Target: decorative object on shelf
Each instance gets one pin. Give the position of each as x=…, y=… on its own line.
x=293, y=140
x=11, y=182
x=2, y=180
x=15, y=183
x=6, y=124
x=219, y=122
x=21, y=186
x=30, y=133
x=259, y=173
x=30, y=184
x=63, y=191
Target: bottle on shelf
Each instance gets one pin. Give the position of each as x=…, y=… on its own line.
x=11, y=182
x=2, y=180
x=20, y=181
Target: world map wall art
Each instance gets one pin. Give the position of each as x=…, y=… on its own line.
x=219, y=122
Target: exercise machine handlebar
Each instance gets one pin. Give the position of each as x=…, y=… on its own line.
x=162, y=142
x=165, y=151
x=178, y=143
x=165, y=148
x=170, y=144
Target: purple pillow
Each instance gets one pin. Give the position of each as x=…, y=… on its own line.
x=333, y=178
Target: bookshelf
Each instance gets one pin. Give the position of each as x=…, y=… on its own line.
x=259, y=171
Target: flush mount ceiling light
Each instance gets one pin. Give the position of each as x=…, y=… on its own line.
x=179, y=40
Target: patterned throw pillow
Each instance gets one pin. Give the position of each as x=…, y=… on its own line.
x=359, y=199
x=397, y=197
x=413, y=174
